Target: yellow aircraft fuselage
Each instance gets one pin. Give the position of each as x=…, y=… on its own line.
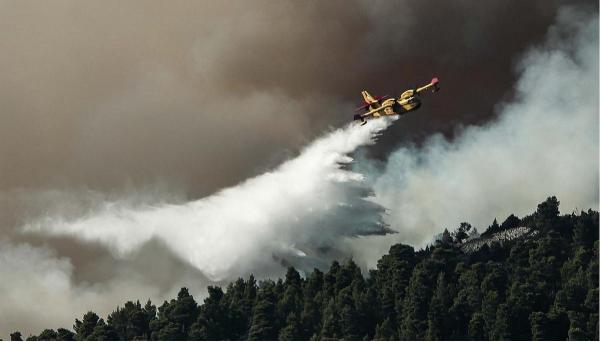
x=406, y=102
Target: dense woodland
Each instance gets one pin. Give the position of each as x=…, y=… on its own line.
x=540, y=287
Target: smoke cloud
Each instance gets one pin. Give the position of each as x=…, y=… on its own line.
x=543, y=143
x=38, y=290
x=105, y=94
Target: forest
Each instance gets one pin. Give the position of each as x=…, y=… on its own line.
x=542, y=286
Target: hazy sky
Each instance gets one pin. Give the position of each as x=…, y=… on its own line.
x=202, y=94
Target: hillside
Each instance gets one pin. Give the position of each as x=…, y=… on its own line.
x=510, y=234
x=530, y=278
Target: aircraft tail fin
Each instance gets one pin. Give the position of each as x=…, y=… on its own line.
x=368, y=98
x=436, y=84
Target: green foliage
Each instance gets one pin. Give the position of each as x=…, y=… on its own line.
x=539, y=326
x=493, y=228
x=540, y=287
x=86, y=326
x=416, y=303
x=132, y=321
x=312, y=304
x=63, y=334
x=103, y=332
x=263, y=320
x=577, y=329
x=349, y=318
x=511, y=222
x=477, y=327
x=585, y=230
x=331, y=322
x=501, y=329
x=48, y=335
x=170, y=332
x=213, y=319
x=462, y=232
x=548, y=210
x=175, y=318
x=385, y=331
x=437, y=317
x=292, y=330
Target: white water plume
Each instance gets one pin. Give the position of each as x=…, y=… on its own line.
x=297, y=211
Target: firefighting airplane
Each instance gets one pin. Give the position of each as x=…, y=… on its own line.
x=379, y=106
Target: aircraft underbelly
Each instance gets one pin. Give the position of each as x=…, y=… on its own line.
x=410, y=106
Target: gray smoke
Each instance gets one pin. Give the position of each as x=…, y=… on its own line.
x=543, y=143
x=105, y=94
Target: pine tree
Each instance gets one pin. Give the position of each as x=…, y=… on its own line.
x=174, y=318
x=462, y=232
x=502, y=324
x=585, y=230
x=577, y=327
x=592, y=269
x=391, y=279
x=385, y=331
x=331, y=322
x=511, y=222
x=263, y=318
x=163, y=327
x=86, y=326
x=330, y=280
x=150, y=310
x=367, y=310
x=350, y=325
x=185, y=310
x=103, y=332
x=238, y=302
x=592, y=326
x=493, y=228
x=292, y=330
x=573, y=293
x=291, y=302
x=64, y=335
x=435, y=321
x=212, y=322
x=558, y=325
x=130, y=322
x=539, y=326
x=546, y=216
x=489, y=305
x=48, y=335
x=416, y=303
x=446, y=238
x=312, y=306
x=438, y=311
x=170, y=332
x=476, y=327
